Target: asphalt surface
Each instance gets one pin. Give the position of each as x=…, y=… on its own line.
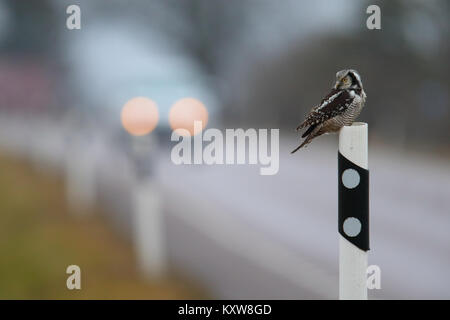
x=251, y=236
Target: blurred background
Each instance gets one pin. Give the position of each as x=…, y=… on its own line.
x=77, y=186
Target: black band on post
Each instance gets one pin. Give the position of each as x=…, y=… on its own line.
x=353, y=203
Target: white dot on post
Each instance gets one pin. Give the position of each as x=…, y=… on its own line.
x=350, y=178
x=352, y=227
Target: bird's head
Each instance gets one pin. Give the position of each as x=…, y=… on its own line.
x=348, y=79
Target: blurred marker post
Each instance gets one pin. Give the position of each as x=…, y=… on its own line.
x=353, y=220
x=80, y=168
x=149, y=235
x=46, y=144
x=139, y=118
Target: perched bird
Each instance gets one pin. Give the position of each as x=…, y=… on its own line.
x=339, y=108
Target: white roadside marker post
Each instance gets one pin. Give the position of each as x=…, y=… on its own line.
x=149, y=225
x=81, y=163
x=353, y=211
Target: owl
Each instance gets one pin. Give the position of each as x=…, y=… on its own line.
x=339, y=108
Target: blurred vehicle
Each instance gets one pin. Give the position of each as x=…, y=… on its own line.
x=121, y=65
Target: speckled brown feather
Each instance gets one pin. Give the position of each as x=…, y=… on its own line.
x=339, y=108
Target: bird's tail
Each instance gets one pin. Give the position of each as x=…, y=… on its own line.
x=310, y=134
x=303, y=144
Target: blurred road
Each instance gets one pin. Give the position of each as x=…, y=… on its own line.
x=252, y=236
x=243, y=235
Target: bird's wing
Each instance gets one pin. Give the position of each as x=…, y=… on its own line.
x=335, y=103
